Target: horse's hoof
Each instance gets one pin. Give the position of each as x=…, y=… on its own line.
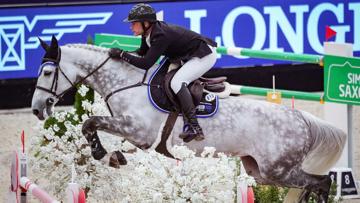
x=189, y=138
x=117, y=159
x=98, y=153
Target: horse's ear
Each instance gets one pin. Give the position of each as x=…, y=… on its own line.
x=54, y=42
x=43, y=44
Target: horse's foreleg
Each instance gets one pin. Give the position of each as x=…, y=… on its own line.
x=89, y=130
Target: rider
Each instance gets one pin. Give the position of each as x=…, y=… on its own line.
x=196, y=53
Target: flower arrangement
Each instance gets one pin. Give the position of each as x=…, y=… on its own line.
x=148, y=177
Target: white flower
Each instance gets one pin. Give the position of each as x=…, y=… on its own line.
x=61, y=116
x=182, y=152
x=157, y=197
x=148, y=176
x=86, y=105
x=126, y=146
x=208, y=152
x=84, y=117
x=49, y=136
x=76, y=117
x=83, y=90
x=249, y=180
x=196, y=197
x=56, y=128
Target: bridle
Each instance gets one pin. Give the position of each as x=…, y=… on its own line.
x=53, y=89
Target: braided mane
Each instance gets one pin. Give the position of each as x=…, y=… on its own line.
x=89, y=47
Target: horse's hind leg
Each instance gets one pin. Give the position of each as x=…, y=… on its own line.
x=89, y=130
x=320, y=184
x=305, y=196
x=323, y=189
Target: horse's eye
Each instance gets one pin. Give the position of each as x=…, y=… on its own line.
x=47, y=72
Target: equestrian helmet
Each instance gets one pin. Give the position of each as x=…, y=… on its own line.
x=140, y=13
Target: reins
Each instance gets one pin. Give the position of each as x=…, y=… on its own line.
x=142, y=83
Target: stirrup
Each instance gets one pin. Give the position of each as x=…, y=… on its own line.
x=185, y=133
x=200, y=135
x=192, y=131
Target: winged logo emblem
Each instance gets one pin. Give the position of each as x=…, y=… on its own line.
x=19, y=33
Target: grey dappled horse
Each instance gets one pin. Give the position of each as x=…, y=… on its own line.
x=278, y=145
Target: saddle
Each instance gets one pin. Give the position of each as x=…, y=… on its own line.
x=202, y=90
x=164, y=99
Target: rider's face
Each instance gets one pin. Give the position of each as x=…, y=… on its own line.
x=136, y=28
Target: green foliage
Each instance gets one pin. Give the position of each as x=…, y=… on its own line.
x=73, y=118
x=332, y=194
x=90, y=95
x=51, y=122
x=273, y=194
x=269, y=194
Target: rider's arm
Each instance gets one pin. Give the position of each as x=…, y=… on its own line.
x=159, y=44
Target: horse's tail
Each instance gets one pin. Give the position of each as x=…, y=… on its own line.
x=327, y=146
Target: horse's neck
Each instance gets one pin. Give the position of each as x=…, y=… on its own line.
x=112, y=76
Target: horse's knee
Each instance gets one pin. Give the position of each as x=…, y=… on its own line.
x=89, y=125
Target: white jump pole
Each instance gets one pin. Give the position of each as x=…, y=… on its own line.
x=36, y=191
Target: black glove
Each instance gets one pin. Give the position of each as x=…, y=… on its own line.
x=115, y=53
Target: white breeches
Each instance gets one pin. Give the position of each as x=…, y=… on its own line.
x=193, y=69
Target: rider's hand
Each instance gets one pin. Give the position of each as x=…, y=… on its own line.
x=115, y=53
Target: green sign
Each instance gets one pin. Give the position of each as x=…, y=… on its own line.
x=342, y=79
x=125, y=42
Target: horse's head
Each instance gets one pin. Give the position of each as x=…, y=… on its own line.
x=52, y=81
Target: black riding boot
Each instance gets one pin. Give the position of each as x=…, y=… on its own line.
x=192, y=128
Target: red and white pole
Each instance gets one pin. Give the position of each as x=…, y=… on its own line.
x=35, y=190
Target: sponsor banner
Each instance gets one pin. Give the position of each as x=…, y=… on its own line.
x=291, y=26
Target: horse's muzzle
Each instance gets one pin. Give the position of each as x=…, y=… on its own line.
x=35, y=112
x=38, y=114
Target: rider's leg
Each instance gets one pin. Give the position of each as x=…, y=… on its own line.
x=191, y=125
x=190, y=71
